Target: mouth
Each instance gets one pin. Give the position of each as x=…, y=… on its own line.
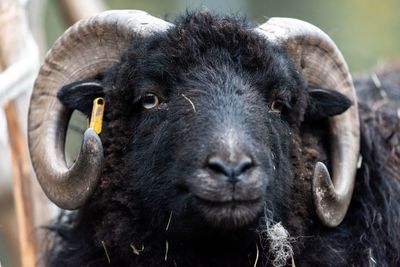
x=230, y=214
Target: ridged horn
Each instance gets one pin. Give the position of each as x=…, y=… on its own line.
x=85, y=50
x=323, y=66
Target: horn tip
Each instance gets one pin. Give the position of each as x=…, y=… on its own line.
x=324, y=196
x=91, y=142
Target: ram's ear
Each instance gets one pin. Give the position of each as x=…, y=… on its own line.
x=324, y=103
x=80, y=95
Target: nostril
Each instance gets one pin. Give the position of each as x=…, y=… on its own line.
x=230, y=169
x=243, y=166
x=219, y=166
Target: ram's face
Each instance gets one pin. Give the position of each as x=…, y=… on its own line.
x=210, y=140
x=202, y=126
x=200, y=117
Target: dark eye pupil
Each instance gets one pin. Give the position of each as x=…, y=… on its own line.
x=150, y=101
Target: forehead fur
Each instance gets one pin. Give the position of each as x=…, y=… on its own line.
x=199, y=33
x=203, y=40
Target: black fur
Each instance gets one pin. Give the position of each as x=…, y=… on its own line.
x=325, y=103
x=216, y=81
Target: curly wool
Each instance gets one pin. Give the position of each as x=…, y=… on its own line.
x=275, y=239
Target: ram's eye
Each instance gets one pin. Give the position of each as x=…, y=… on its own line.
x=276, y=106
x=150, y=101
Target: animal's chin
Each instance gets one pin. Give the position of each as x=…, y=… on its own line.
x=230, y=214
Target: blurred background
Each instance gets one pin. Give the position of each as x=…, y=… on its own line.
x=366, y=31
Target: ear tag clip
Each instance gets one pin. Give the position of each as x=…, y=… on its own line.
x=96, y=119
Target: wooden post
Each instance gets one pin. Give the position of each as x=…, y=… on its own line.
x=22, y=187
x=12, y=30
x=18, y=65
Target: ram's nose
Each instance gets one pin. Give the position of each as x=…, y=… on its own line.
x=228, y=169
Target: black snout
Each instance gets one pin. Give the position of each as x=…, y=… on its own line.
x=231, y=170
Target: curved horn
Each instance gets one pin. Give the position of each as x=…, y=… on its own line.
x=323, y=65
x=83, y=51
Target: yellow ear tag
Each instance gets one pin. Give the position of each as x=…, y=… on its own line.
x=96, y=119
